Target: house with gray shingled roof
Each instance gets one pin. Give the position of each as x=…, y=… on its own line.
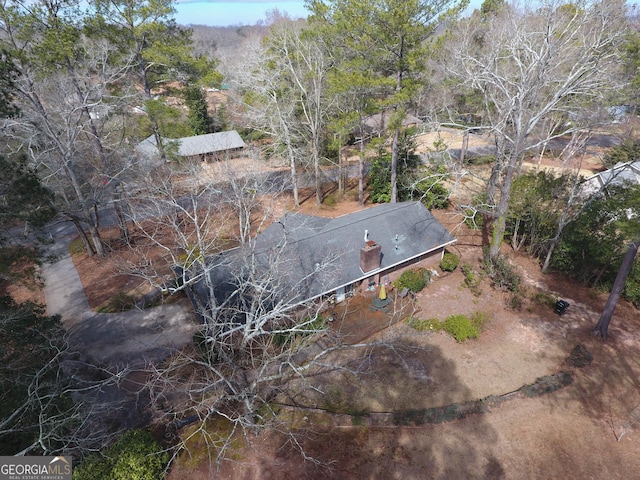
x=307, y=257
x=212, y=146
x=621, y=173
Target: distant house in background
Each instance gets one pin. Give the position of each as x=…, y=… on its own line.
x=212, y=146
x=304, y=257
x=620, y=174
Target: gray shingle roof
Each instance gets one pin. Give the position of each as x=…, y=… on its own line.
x=618, y=175
x=311, y=256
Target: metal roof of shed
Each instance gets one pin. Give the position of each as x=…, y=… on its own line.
x=196, y=145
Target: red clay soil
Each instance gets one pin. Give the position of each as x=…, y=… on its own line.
x=570, y=434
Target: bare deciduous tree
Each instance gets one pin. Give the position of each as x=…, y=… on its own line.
x=269, y=108
x=261, y=339
x=532, y=65
x=66, y=127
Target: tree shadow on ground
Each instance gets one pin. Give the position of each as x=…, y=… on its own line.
x=361, y=440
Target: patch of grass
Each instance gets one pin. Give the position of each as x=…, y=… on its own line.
x=514, y=302
x=332, y=401
x=76, y=247
x=544, y=299
x=458, y=326
x=579, y=357
x=358, y=420
x=430, y=324
x=308, y=326
x=200, y=443
x=503, y=275
x=480, y=159
x=335, y=401
x=330, y=201
x=478, y=320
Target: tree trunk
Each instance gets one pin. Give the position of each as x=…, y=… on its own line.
x=618, y=285
x=361, y=166
x=316, y=166
x=83, y=236
x=122, y=220
x=502, y=209
x=547, y=258
x=294, y=173
x=394, y=167
x=465, y=146
x=341, y=182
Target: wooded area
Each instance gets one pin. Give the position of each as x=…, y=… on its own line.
x=341, y=95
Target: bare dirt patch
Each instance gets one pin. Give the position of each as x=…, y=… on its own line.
x=571, y=433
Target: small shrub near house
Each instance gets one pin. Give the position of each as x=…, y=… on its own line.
x=414, y=280
x=449, y=262
x=458, y=326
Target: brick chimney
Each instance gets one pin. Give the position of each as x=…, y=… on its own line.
x=370, y=256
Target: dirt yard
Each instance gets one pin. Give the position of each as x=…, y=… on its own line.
x=572, y=433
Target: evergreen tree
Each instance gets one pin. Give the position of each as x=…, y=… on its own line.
x=385, y=43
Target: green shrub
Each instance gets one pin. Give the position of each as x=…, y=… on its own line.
x=503, y=275
x=472, y=279
x=414, y=279
x=449, y=262
x=330, y=200
x=136, y=455
x=460, y=328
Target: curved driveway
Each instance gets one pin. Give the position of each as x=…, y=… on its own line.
x=132, y=338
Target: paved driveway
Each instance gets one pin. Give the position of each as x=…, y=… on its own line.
x=133, y=338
